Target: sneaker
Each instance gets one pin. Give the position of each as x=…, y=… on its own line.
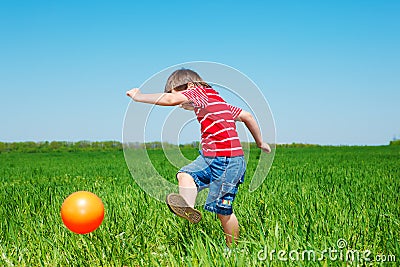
x=177, y=204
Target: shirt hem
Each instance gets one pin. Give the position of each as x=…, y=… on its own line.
x=223, y=154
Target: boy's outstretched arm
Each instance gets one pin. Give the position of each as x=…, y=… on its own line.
x=161, y=99
x=252, y=125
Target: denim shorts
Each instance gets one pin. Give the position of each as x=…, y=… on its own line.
x=222, y=175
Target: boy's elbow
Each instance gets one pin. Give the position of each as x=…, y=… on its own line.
x=245, y=116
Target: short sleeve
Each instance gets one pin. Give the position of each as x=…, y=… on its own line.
x=235, y=111
x=198, y=96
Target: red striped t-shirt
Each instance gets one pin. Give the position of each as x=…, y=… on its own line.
x=217, y=120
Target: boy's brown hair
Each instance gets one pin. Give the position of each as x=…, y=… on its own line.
x=179, y=79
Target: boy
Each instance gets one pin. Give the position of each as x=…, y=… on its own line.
x=221, y=165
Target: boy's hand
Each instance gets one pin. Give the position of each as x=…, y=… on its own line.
x=265, y=148
x=133, y=92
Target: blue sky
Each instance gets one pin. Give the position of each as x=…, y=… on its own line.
x=330, y=70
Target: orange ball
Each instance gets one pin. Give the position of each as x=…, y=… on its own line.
x=82, y=212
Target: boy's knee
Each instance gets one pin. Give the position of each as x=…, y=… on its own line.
x=183, y=176
x=226, y=218
x=223, y=218
x=185, y=179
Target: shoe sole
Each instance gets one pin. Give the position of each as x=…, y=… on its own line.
x=177, y=204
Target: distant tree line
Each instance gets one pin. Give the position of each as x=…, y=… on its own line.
x=298, y=145
x=59, y=146
x=66, y=146
x=159, y=145
x=395, y=142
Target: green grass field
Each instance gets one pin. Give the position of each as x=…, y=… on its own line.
x=312, y=198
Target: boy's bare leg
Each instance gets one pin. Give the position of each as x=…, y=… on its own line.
x=187, y=188
x=182, y=204
x=230, y=225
